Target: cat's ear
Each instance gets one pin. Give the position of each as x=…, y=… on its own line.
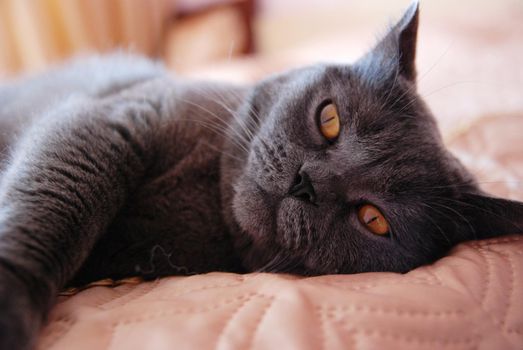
x=395, y=53
x=405, y=32
x=488, y=217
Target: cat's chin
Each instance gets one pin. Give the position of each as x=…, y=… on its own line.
x=255, y=213
x=259, y=238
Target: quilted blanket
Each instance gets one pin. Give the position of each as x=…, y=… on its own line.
x=472, y=299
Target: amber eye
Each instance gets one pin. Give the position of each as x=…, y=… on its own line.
x=329, y=122
x=373, y=220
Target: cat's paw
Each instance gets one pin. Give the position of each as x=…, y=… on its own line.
x=19, y=321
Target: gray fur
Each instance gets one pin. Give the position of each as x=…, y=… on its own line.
x=112, y=168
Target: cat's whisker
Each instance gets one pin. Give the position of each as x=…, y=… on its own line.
x=438, y=90
x=405, y=107
x=234, y=114
x=434, y=223
x=519, y=182
x=238, y=134
x=221, y=151
x=219, y=130
x=472, y=229
x=220, y=100
x=384, y=105
x=286, y=264
x=269, y=266
x=279, y=263
x=451, y=85
x=462, y=203
x=436, y=62
x=407, y=91
x=257, y=118
x=243, y=127
x=292, y=265
x=466, y=184
x=423, y=75
x=213, y=114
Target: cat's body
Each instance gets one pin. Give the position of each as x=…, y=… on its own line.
x=171, y=222
x=112, y=168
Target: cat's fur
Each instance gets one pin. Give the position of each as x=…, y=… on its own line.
x=111, y=168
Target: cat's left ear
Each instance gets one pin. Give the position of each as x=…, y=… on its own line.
x=395, y=53
x=489, y=217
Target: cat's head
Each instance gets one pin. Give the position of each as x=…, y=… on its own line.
x=345, y=170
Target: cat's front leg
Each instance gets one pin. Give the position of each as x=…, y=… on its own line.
x=20, y=318
x=68, y=177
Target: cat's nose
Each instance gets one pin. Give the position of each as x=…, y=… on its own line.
x=302, y=188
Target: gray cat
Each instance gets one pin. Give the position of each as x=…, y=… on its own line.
x=111, y=168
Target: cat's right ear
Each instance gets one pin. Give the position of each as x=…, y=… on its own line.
x=395, y=53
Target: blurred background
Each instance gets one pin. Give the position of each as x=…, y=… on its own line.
x=470, y=51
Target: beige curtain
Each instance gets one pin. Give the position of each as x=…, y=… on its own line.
x=35, y=33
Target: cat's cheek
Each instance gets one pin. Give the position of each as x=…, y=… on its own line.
x=253, y=211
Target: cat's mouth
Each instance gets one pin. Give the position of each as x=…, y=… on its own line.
x=294, y=231
x=271, y=219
